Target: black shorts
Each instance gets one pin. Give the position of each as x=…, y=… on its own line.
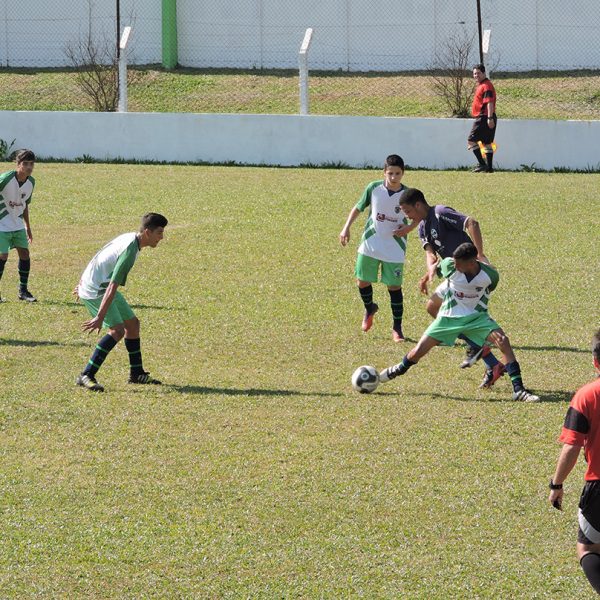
x=480, y=132
x=589, y=514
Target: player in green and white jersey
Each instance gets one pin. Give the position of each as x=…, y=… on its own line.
x=16, y=188
x=464, y=310
x=97, y=289
x=381, y=249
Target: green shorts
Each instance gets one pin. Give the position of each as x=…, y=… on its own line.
x=13, y=239
x=475, y=327
x=118, y=311
x=367, y=269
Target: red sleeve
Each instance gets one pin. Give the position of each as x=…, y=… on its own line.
x=577, y=421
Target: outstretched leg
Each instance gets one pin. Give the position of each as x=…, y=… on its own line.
x=426, y=343
x=512, y=367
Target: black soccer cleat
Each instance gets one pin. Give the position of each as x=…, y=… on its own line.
x=143, y=378
x=89, y=383
x=390, y=373
x=27, y=296
x=473, y=355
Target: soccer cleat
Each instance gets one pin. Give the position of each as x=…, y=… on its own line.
x=89, y=383
x=368, y=318
x=27, y=296
x=473, y=355
x=397, y=336
x=390, y=373
x=479, y=169
x=525, y=396
x=492, y=375
x=144, y=378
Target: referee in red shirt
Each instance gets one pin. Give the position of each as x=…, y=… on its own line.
x=582, y=430
x=484, y=128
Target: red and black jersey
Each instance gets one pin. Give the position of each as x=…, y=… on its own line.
x=582, y=426
x=484, y=93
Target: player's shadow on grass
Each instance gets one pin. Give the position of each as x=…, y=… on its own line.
x=39, y=343
x=545, y=396
x=59, y=303
x=201, y=389
x=551, y=349
x=155, y=307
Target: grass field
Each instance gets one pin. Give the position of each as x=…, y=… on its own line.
x=256, y=471
x=544, y=95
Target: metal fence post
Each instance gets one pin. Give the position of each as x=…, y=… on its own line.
x=303, y=60
x=123, y=70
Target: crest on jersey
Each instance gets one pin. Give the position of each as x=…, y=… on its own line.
x=397, y=209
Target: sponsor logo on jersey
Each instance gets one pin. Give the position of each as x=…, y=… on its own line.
x=381, y=218
x=12, y=203
x=462, y=295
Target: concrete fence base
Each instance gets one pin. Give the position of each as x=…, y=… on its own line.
x=290, y=140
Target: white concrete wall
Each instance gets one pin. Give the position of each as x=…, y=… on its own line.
x=294, y=140
x=355, y=35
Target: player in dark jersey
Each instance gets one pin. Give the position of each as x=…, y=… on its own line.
x=484, y=127
x=441, y=231
x=581, y=429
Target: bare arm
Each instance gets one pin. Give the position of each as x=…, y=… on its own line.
x=96, y=322
x=566, y=461
x=345, y=233
x=431, y=261
x=490, y=106
x=405, y=229
x=27, y=224
x=472, y=227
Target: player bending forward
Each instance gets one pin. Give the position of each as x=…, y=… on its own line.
x=98, y=290
x=464, y=311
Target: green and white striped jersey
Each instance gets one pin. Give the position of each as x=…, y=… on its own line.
x=14, y=199
x=461, y=296
x=385, y=216
x=111, y=263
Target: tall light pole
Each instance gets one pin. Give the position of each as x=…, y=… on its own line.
x=118, y=29
x=480, y=30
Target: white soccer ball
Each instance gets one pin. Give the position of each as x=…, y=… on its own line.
x=365, y=379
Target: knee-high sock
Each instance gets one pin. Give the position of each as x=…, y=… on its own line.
x=397, y=302
x=590, y=563
x=2, y=265
x=366, y=294
x=24, y=267
x=478, y=156
x=134, y=349
x=103, y=347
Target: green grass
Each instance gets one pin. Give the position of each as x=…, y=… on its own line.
x=556, y=95
x=255, y=471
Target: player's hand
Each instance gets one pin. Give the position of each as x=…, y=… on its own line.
x=555, y=498
x=484, y=259
x=402, y=231
x=491, y=123
x=93, y=324
x=29, y=235
x=423, y=283
x=344, y=236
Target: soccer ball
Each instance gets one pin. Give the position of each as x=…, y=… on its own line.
x=365, y=379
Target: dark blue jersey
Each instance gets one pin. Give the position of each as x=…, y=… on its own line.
x=444, y=230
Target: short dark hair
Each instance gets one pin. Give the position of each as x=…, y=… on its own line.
x=412, y=196
x=480, y=67
x=393, y=160
x=465, y=251
x=23, y=155
x=152, y=221
x=596, y=345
